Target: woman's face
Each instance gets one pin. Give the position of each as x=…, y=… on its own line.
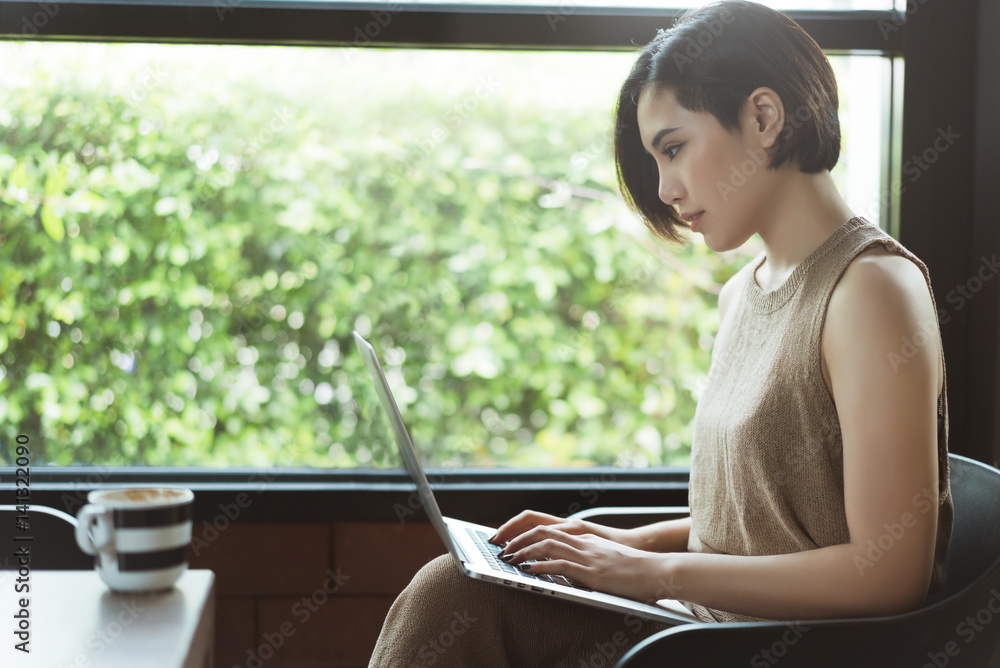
x=704, y=169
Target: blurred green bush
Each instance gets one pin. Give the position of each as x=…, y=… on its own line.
x=187, y=245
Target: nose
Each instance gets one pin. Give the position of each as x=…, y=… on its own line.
x=670, y=189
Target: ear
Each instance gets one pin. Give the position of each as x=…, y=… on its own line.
x=763, y=117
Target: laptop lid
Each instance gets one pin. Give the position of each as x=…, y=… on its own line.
x=405, y=444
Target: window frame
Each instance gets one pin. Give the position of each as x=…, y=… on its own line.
x=306, y=495
x=495, y=26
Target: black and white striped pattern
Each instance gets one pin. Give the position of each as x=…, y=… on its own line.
x=150, y=547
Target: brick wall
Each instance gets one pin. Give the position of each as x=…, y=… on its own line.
x=272, y=605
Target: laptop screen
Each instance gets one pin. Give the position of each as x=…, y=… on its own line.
x=405, y=444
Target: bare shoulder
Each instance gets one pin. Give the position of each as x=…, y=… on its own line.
x=878, y=276
x=883, y=299
x=880, y=268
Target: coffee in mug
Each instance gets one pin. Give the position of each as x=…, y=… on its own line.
x=140, y=536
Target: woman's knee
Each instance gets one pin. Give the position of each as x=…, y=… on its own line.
x=440, y=573
x=439, y=584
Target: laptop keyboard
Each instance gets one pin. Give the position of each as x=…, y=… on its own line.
x=490, y=552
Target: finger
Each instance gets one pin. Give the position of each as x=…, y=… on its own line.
x=550, y=548
x=566, y=567
x=520, y=523
x=542, y=542
x=529, y=537
x=515, y=526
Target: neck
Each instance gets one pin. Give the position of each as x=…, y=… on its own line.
x=807, y=210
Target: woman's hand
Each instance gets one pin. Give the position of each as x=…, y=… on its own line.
x=594, y=561
x=529, y=519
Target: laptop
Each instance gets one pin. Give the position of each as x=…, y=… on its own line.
x=468, y=543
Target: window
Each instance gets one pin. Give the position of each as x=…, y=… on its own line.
x=195, y=244
x=218, y=229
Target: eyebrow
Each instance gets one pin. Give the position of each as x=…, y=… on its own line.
x=659, y=136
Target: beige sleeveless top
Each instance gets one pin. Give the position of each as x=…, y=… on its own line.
x=767, y=460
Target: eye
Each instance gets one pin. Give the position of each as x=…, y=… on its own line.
x=671, y=151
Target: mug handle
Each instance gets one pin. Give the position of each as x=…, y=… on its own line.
x=100, y=518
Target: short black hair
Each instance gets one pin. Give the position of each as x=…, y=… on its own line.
x=712, y=59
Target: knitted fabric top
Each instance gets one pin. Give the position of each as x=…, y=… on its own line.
x=767, y=457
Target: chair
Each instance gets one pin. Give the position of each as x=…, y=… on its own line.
x=959, y=627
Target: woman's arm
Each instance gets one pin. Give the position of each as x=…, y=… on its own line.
x=887, y=411
x=666, y=536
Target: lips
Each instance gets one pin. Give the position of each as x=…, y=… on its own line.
x=693, y=219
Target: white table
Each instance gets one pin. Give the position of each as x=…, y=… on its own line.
x=77, y=622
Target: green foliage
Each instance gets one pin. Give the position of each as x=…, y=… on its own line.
x=186, y=249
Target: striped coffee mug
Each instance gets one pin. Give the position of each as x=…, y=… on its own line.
x=139, y=536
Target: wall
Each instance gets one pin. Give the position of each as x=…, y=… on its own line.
x=270, y=580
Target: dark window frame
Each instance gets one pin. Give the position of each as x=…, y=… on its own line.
x=305, y=495
x=494, y=26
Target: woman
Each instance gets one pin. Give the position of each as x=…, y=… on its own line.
x=819, y=483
